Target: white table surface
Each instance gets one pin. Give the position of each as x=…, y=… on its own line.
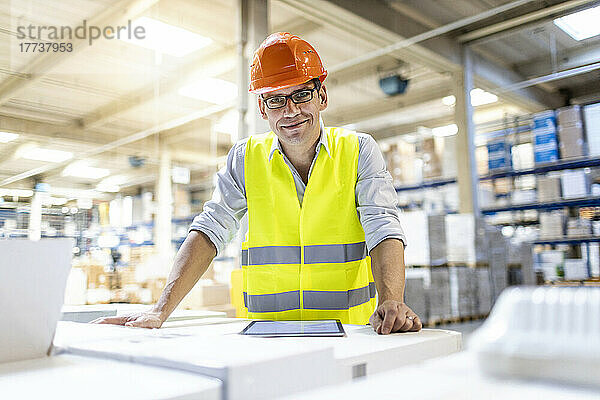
x=68, y=377
x=213, y=347
x=456, y=377
x=87, y=313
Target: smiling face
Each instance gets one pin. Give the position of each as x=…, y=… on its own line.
x=295, y=124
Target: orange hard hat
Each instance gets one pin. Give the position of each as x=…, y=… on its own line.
x=284, y=60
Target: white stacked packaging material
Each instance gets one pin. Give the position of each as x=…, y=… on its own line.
x=575, y=269
x=570, y=132
x=438, y=294
x=415, y=294
x=427, y=238
x=527, y=271
x=463, y=291
x=574, y=184
x=591, y=117
x=483, y=303
x=552, y=224
x=498, y=260
x=465, y=239
x=548, y=188
x=550, y=262
x=523, y=196
x=449, y=164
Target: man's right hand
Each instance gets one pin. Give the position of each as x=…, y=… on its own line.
x=147, y=319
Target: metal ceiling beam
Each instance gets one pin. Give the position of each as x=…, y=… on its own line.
x=118, y=13
x=349, y=115
x=122, y=142
x=568, y=59
x=536, y=16
x=428, y=34
x=382, y=26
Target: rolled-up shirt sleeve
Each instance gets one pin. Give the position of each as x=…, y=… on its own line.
x=221, y=215
x=376, y=197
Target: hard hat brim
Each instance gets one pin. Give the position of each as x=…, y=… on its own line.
x=285, y=84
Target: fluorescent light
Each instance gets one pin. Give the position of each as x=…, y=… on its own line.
x=449, y=100
x=112, y=183
x=58, y=201
x=81, y=169
x=581, y=25
x=479, y=97
x=447, y=130
x=47, y=155
x=16, y=192
x=6, y=137
x=165, y=38
x=211, y=90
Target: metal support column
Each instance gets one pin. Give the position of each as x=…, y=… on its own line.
x=164, y=209
x=465, y=142
x=253, y=28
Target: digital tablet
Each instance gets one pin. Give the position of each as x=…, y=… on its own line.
x=329, y=327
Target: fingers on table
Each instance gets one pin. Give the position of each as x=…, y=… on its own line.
x=390, y=320
x=111, y=320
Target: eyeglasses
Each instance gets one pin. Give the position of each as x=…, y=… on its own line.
x=298, y=97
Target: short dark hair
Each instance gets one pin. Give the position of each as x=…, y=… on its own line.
x=317, y=83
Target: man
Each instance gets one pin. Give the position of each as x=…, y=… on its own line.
x=323, y=225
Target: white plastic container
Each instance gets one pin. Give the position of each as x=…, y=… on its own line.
x=548, y=333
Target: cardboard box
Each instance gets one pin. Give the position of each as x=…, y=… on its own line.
x=574, y=184
x=591, y=117
x=575, y=269
x=572, y=143
x=427, y=235
x=499, y=155
x=567, y=116
x=548, y=188
x=206, y=293
x=552, y=224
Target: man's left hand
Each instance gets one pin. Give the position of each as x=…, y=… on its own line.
x=394, y=316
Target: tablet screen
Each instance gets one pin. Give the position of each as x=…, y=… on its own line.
x=295, y=328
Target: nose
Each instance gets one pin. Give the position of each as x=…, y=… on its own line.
x=291, y=109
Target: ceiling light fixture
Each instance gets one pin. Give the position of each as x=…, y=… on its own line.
x=211, y=90
x=6, y=137
x=81, y=169
x=47, y=155
x=581, y=25
x=166, y=38
x=447, y=130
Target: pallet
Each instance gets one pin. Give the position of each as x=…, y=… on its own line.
x=468, y=265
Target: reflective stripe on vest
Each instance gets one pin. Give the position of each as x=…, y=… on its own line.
x=313, y=299
x=315, y=254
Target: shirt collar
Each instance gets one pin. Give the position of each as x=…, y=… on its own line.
x=322, y=141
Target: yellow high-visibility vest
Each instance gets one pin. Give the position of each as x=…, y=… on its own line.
x=305, y=261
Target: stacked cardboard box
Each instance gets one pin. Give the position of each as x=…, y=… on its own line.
x=548, y=188
x=206, y=293
x=463, y=291
x=552, y=224
x=591, y=117
x=432, y=166
x=575, y=269
x=499, y=155
x=579, y=227
x=545, y=142
x=415, y=295
x=402, y=163
x=465, y=239
x=438, y=294
x=570, y=132
x=497, y=247
x=427, y=236
x=483, y=303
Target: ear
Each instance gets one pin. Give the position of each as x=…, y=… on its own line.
x=323, y=98
x=261, y=107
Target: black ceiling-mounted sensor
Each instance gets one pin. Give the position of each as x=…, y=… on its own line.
x=393, y=85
